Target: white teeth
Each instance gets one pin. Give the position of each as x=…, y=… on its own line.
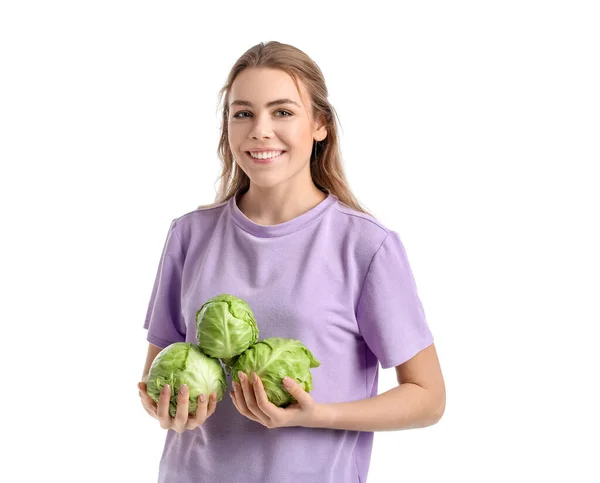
x=266, y=154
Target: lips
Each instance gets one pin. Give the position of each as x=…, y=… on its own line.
x=265, y=160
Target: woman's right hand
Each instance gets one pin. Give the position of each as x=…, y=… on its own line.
x=182, y=420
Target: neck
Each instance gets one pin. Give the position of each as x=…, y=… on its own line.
x=275, y=205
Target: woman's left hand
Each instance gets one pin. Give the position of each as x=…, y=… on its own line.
x=250, y=399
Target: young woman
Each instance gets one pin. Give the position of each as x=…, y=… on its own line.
x=286, y=235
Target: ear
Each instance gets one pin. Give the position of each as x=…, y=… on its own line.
x=320, y=131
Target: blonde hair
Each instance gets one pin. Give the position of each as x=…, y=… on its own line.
x=326, y=164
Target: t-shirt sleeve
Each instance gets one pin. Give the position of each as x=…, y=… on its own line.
x=164, y=318
x=389, y=313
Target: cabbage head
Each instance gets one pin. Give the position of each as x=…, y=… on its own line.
x=184, y=363
x=274, y=358
x=226, y=327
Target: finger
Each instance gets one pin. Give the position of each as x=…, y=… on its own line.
x=238, y=396
x=296, y=390
x=232, y=396
x=247, y=414
x=145, y=397
x=147, y=401
x=181, y=415
x=266, y=406
x=240, y=403
x=201, y=413
x=251, y=400
x=248, y=394
x=212, y=405
x=143, y=391
x=163, y=407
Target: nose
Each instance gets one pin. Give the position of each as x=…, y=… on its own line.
x=261, y=127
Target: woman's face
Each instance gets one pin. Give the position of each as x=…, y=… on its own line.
x=255, y=125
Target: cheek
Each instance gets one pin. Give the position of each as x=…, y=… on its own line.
x=298, y=139
x=237, y=131
x=234, y=136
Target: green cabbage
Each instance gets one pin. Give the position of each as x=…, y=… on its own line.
x=274, y=358
x=225, y=327
x=184, y=363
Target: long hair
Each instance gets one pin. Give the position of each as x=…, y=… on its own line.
x=326, y=167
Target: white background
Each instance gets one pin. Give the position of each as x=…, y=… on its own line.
x=471, y=128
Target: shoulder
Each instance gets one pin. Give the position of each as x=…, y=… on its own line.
x=201, y=220
x=367, y=232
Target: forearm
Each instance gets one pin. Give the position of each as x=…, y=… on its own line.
x=406, y=406
x=153, y=351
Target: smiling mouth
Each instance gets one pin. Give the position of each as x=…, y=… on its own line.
x=265, y=160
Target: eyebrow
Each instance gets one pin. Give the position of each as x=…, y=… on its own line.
x=268, y=104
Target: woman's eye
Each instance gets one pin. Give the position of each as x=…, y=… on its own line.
x=239, y=116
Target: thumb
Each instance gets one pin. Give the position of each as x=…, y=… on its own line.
x=296, y=390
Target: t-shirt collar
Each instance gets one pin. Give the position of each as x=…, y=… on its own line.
x=267, y=231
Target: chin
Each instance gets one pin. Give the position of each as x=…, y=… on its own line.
x=260, y=182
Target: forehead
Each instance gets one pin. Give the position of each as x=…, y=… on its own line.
x=261, y=85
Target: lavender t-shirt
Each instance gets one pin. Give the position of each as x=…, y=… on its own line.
x=334, y=278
